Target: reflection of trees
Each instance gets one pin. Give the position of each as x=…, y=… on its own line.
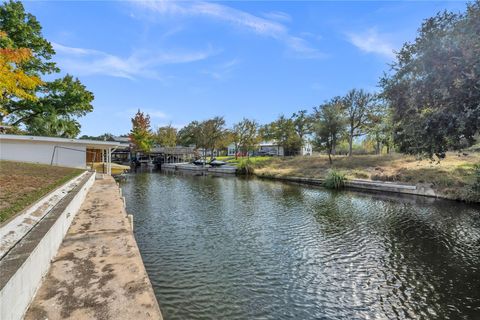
x=334, y=212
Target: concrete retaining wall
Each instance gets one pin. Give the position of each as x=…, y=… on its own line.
x=192, y=167
x=368, y=185
x=25, y=265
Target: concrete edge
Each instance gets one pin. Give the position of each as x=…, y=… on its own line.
x=366, y=185
x=24, y=267
x=14, y=229
x=34, y=206
x=130, y=220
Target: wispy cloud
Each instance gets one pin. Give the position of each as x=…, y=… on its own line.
x=223, y=70
x=278, y=15
x=267, y=27
x=141, y=63
x=371, y=41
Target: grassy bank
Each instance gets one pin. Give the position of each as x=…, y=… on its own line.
x=21, y=184
x=451, y=176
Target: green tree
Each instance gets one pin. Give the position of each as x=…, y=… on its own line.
x=188, y=135
x=212, y=134
x=166, y=136
x=302, y=123
x=283, y=133
x=54, y=113
x=15, y=83
x=359, y=105
x=245, y=135
x=141, y=133
x=209, y=134
x=26, y=32
x=433, y=86
x=328, y=125
x=380, y=130
x=53, y=125
x=57, y=104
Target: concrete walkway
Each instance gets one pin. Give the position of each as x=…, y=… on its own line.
x=98, y=272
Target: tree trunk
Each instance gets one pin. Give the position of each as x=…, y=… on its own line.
x=350, y=144
x=334, y=145
x=378, y=148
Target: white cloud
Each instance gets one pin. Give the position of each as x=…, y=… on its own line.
x=223, y=70
x=267, y=27
x=371, y=41
x=83, y=61
x=278, y=15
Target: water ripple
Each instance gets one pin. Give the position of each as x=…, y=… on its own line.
x=229, y=248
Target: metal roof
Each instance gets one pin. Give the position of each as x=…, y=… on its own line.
x=88, y=143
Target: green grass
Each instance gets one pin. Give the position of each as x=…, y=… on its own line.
x=22, y=184
x=334, y=179
x=253, y=160
x=451, y=177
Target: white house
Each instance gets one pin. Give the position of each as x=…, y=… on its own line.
x=74, y=153
x=272, y=148
x=307, y=149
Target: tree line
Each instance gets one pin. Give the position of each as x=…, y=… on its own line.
x=428, y=102
x=358, y=113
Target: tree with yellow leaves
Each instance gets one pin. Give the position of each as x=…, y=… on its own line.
x=48, y=108
x=14, y=82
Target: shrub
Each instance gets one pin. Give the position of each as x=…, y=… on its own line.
x=335, y=179
x=245, y=166
x=472, y=192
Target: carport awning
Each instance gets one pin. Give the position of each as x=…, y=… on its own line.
x=90, y=144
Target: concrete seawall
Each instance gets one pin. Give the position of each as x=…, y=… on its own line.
x=368, y=185
x=25, y=263
x=98, y=272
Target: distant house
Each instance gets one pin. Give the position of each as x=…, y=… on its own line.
x=307, y=149
x=74, y=153
x=271, y=148
x=231, y=151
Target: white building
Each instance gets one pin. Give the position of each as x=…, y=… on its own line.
x=307, y=149
x=74, y=153
x=271, y=148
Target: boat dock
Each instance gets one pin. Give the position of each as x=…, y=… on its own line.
x=191, y=167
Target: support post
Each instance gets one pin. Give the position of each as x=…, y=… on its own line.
x=109, y=159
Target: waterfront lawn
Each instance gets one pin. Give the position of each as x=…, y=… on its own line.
x=254, y=160
x=450, y=176
x=21, y=184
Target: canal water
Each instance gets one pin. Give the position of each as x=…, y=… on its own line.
x=232, y=248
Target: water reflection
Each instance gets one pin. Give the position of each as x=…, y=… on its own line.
x=231, y=248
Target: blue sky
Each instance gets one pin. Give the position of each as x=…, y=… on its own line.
x=184, y=61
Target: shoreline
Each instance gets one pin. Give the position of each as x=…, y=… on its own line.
x=371, y=186
x=80, y=262
x=98, y=261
